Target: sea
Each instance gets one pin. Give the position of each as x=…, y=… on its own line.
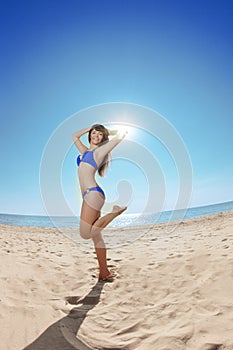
x=121, y=221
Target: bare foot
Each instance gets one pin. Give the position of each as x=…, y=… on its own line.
x=117, y=209
x=107, y=276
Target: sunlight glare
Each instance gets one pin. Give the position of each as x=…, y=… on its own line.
x=124, y=129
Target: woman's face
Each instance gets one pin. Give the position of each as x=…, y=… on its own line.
x=96, y=137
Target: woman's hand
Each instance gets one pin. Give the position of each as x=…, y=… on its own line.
x=118, y=133
x=112, y=132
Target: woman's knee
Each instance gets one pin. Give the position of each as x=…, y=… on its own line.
x=88, y=231
x=85, y=231
x=85, y=236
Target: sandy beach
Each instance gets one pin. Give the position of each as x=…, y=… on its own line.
x=172, y=291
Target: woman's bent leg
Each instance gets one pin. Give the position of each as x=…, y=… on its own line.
x=91, y=225
x=89, y=216
x=90, y=212
x=103, y=221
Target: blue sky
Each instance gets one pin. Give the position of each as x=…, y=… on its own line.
x=60, y=57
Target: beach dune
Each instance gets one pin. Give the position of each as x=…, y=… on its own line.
x=172, y=291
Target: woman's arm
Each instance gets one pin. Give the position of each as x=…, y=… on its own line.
x=76, y=138
x=103, y=150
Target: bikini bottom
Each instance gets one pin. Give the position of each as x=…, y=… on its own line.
x=97, y=188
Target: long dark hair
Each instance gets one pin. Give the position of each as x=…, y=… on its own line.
x=105, y=163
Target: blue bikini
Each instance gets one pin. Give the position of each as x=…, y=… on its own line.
x=88, y=157
x=97, y=188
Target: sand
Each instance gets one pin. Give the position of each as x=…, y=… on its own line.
x=172, y=291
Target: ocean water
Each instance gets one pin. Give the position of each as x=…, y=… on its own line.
x=122, y=221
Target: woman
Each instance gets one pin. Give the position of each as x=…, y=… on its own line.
x=92, y=159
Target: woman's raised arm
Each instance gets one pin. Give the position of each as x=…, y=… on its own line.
x=103, y=150
x=76, y=138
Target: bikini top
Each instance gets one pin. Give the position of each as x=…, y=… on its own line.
x=87, y=157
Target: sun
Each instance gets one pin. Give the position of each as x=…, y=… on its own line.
x=124, y=129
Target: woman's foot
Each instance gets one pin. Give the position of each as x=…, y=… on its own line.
x=118, y=210
x=107, y=277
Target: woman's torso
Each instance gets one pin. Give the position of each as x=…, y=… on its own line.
x=87, y=167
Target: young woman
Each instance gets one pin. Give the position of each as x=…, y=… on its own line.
x=92, y=159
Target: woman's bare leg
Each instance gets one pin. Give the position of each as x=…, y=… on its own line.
x=100, y=248
x=91, y=225
x=101, y=253
x=103, y=221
